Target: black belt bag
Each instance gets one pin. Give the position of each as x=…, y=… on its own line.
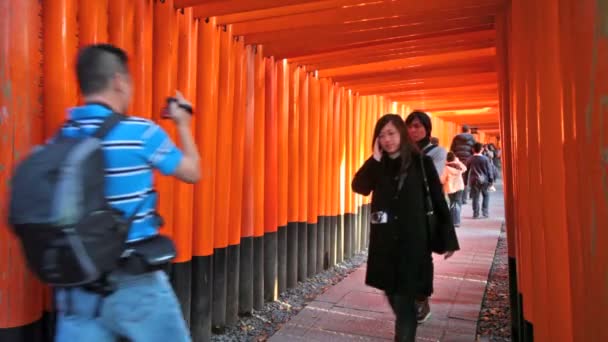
x=148, y=255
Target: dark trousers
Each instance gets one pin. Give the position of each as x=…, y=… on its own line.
x=456, y=206
x=477, y=191
x=406, y=323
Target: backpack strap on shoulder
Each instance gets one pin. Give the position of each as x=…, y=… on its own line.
x=428, y=149
x=108, y=124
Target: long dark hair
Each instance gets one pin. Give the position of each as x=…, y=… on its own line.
x=407, y=148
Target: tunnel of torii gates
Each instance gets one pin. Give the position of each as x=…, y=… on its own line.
x=286, y=93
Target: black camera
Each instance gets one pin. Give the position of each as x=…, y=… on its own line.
x=165, y=112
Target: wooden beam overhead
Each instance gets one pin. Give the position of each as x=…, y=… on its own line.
x=408, y=63
x=378, y=13
x=437, y=55
x=213, y=8
x=413, y=44
x=305, y=46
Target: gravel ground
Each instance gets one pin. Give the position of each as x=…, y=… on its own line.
x=495, y=316
x=263, y=324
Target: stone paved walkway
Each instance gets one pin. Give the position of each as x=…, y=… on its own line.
x=352, y=311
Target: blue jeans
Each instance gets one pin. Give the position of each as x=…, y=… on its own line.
x=456, y=206
x=143, y=308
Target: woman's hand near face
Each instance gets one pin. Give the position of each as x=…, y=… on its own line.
x=377, y=150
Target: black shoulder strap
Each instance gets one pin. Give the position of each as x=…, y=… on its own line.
x=108, y=124
x=427, y=197
x=428, y=149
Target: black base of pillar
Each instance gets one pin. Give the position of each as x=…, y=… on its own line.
x=292, y=255
x=320, y=244
x=232, y=285
x=270, y=267
x=220, y=265
x=202, y=285
x=246, y=276
x=181, y=279
x=302, y=251
x=282, y=258
x=258, y=272
x=312, y=249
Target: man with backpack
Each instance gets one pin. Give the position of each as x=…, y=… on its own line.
x=481, y=178
x=93, y=233
x=462, y=146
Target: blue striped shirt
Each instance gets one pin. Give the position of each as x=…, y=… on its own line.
x=133, y=149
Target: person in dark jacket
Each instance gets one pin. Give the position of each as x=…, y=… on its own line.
x=481, y=178
x=462, y=146
x=419, y=128
x=400, y=260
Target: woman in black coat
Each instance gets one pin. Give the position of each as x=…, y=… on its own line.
x=400, y=261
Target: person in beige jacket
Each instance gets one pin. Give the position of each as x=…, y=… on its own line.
x=453, y=185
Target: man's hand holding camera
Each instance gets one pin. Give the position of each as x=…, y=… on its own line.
x=179, y=110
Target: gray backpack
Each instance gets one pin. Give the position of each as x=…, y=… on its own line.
x=69, y=233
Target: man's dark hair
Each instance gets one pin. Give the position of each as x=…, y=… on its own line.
x=435, y=141
x=424, y=119
x=96, y=66
x=477, y=147
x=466, y=129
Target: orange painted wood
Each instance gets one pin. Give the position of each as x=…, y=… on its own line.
x=521, y=164
x=283, y=87
x=452, y=71
x=324, y=164
x=352, y=17
x=216, y=8
x=120, y=23
x=356, y=153
x=384, y=48
x=409, y=62
x=400, y=53
x=585, y=103
x=309, y=7
x=225, y=139
x=313, y=149
x=141, y=60
x=238, y=145
x=297, y=42
x=350, y=148
x=294, y=159
x=258, y=141
x=424, y=79
x=186, y=82
x=553, y=214
x=206, y=135
x=340, y=140
x=20, y=128
x=331, y=190
x=303, y=143
x=271, y=166
x=165, y=82
x=121, y=28
x=338, y=146
x=283, y=47
x=93, y=22
x=249, y=118
x=60, y=44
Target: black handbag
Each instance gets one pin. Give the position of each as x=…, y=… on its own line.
x=436, y=242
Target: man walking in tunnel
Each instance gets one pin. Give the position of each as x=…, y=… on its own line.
x=139, y=302
x=481, y=178
x=462, y=146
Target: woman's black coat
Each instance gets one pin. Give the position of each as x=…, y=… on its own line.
x=400, y=258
